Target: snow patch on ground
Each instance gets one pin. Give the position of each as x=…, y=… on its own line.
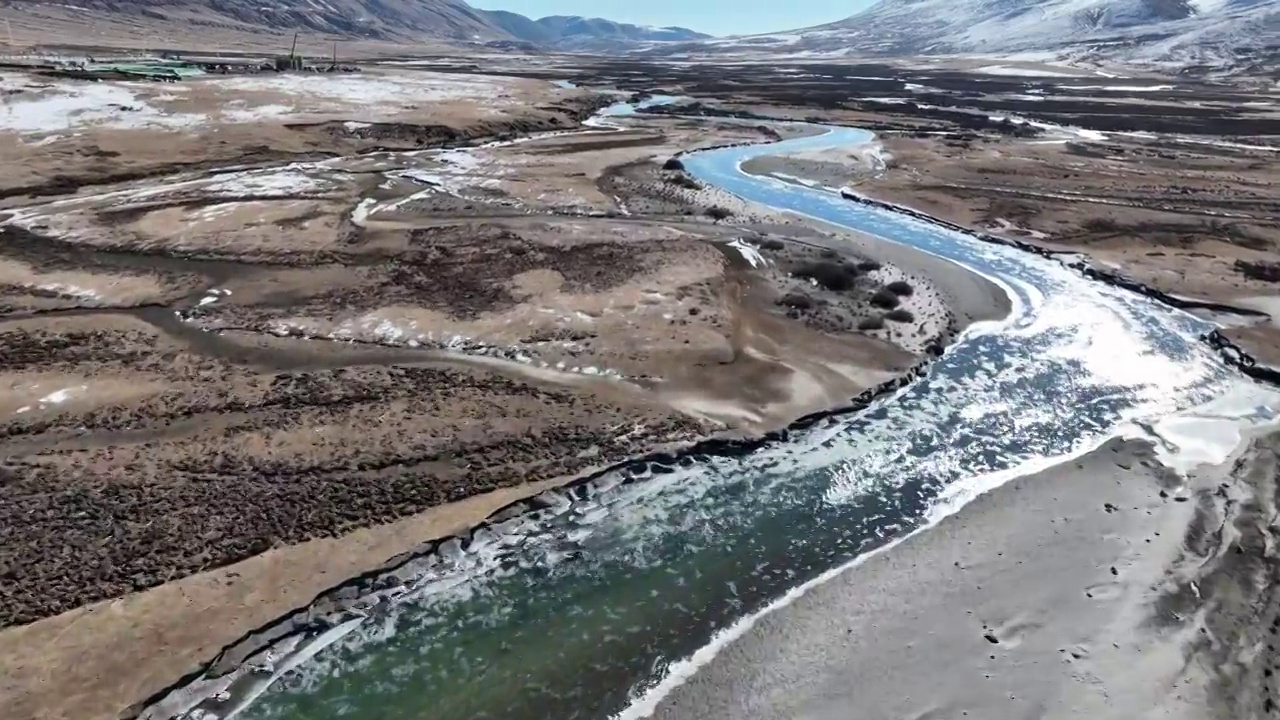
x=458, y=172
x=386, y=331
x=1121, y=88
x=214, y=296
x=1021, y=72
x=73, y=291
x=255, y=114
x=60, y=396
x=749, y=253
x=1004, y=225
x=63, y=106
x=1057, y=133
x=361, y=212
x=365, y=89
x=283, y=183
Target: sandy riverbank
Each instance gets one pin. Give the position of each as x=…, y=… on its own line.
x=1104, y=587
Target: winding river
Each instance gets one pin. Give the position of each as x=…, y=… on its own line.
x=580, y=606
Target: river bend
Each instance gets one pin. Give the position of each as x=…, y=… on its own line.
x=574, y=609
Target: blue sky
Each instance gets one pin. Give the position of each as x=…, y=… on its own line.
x=718, y=17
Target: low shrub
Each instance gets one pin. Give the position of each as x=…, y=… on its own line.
x=796, y=301
x=871, y=323
x=684, y=181
x=901, y=288
x=716, y=212
x=885, y=299
x=1100, y=225
x=900, y=315
x=1261, y=270
x=836, y=277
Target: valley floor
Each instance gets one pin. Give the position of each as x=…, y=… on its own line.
x=262, y=350
x=251, y=355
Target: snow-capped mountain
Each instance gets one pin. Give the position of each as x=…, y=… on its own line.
x=571, y=32
x=397, y=20
x=382, y=19
x=1186, y=30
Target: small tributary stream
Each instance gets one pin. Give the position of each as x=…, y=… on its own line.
x=577, y=606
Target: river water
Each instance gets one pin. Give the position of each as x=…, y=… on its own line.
x=576, y=608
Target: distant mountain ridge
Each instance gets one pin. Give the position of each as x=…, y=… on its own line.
x=381, y=19
x=575, y=32
x=1154, y=30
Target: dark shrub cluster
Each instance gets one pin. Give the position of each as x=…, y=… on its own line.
x=901, y=315
x=796, y=301
x=833, y=276
x=684, y=181
x=1101, y=225
x=901, y=288
x=1262, y=270
x=885, y=299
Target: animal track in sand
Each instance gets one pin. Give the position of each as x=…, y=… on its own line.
x=1011, y=633
x=1080, y=651
x=1105, y=591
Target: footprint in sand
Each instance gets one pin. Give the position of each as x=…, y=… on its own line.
x=1105, y=591
x=1011, y=633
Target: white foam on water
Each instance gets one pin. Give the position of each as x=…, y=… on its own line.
x=1105, y=351
x=1215, y=448
x=683, y=670
x=313, y=648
